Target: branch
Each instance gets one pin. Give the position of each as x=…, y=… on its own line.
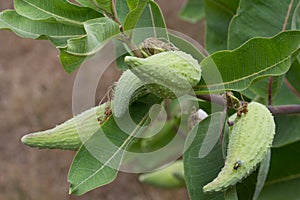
x=125, y=38
x=287, y=15
x=214, y=98
x=275, y=110
x=285, y=109
x=270, y=91
x=292, y=89
x=283, y=29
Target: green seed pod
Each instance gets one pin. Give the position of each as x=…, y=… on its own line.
x=128, y=89
x=250, y=138
x=169, y=177
x=65, y=136
x=167, y=74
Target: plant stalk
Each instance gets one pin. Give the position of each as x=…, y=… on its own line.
x=275, y=110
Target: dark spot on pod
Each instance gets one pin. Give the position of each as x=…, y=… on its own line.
x=237, y=165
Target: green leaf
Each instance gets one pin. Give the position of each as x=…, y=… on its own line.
x=218, y=16
x=70, y=62
x=150, y=24
x=132, y=4
x=83, y=176
x=60, y=10
x=285, y=96
x=98, y=31
x=262, y=175
x=296, y=18
x=259, y=57
x=283, y=181
x=246, y=188
x=169, y=177
x=231, y=194
x=256, y=18
x=121, y=53
x=122, y=10
x=24, y=27
x=103, y=6
x=156, y=14
x=289, y=92
x=200, y=171
x=282, y=190
x=287, y=130
x=108, y=146
x=292, y=77
x=260, y=88
x=193, y=11
x=134, y=15
x=186, y=46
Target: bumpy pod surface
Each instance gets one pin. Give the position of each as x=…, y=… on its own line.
x=167, y=74
x=250, y=138
x=66, y=135
x=128, y=89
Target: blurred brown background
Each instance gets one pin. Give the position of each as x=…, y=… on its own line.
x=36, y=94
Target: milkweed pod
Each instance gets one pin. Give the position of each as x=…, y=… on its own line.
x=128, y=89
x=250, y=138
x=66, y=135
x=167, y=74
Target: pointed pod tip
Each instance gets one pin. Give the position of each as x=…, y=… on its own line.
x=24, y=139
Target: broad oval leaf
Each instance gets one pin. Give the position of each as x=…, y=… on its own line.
x=283, y=179
x=103, y=6
x=60, y=10
x=260, y=88
x=296, y=18
x=57, y=32
x=256, y=18
x=262, y=175
x=83, y=176
x=134, y=15
x=218, y=15
x=193, y=11
x=186, y=46
x=287, y=130
x=122, y=10
x=199, y=171
x=150, y=24
x=98, y=31
x=292, y=78
x=259, y=57
x=132, y=4
x=87, y=170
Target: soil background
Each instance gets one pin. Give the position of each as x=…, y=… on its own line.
x=36, y=94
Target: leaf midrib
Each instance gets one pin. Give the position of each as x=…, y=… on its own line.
x=55, y=15
x=115, y=153
x=245, y=77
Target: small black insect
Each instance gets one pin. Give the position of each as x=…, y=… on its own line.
x=237, y=164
